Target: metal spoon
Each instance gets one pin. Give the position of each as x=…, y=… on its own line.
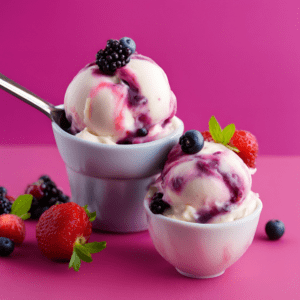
x=55, y=114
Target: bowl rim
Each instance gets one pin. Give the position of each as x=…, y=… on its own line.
x=154, y=143
x=234, y=223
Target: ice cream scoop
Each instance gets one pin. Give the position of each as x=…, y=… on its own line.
x=133, y=105
x=210, y=186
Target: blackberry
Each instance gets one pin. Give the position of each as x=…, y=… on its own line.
x=45, y=194
x=158, y=205
x=5, y=205
x=3, y=191
x=38, y=212
x=63, y=198
x=45, y=178
x=7, y=246
x=115, y=55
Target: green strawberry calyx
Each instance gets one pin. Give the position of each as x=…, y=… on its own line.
x=222, y=136
x=92, y=216
x=82, y=252
x=21, y=206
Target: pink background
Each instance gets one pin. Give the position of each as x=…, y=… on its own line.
x=238, y=60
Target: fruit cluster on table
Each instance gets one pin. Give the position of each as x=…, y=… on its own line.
x=63, y=227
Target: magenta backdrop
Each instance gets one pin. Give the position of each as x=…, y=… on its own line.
x=237, y=60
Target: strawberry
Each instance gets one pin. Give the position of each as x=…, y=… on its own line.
x=207, y=136
x=63, y=231
x=36, y=189
x=242, y=142
x=247, y=144
x=12, y=227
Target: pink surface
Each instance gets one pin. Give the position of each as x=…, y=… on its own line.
x=130, y=267
x=238, y=60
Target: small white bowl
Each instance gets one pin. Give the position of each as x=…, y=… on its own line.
x=201, y=250
x=113, y=179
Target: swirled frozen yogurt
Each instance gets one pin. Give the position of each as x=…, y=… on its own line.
x=212, y=185
x=122, y=98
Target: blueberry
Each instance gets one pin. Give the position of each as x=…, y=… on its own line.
x=142, y=132
x=191, y=142
x=127, y=42
x=6, y=246
x=275, y=229
x=157, y=205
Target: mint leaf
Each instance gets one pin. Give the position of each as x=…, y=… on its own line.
x=233, y=148
x=83, y=253
x=25, y=216
x=215, y=130
x=222, y=136
x=75, y=262
x=21, y=205
x=95, y=247
x=228, y=133
x=92, y=216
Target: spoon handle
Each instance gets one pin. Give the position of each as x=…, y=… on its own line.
x=25, y=95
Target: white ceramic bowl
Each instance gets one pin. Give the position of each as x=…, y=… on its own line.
x=113, y=179
x=201, y=250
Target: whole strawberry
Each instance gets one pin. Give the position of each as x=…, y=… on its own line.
x=12, y=225
x=246, y=142
x=207, y=136
x=63, y=231
x=242, y=142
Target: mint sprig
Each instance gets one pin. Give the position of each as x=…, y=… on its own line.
x=21, y=206
x=222, y=136
x=82, y=252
